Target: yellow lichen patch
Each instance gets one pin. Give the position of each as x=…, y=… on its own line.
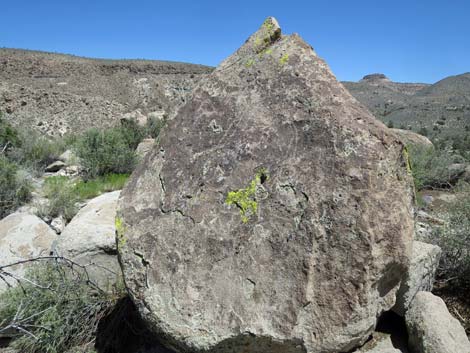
x=250, y=62
x=284, y=59
x=120, y=230
x=406, y=156
x=245, y=199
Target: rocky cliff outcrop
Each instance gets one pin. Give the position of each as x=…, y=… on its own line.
x=274, y=216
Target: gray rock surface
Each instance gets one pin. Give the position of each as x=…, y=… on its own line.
x=23, y=236
x=89, y=239
x=144, y=147
x=381, y=343
x=58, y=224
x=275, y=215
x=420, y=275
x=69, y=158
x=432, y=329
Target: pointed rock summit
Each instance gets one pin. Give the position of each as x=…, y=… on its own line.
x=275, y=215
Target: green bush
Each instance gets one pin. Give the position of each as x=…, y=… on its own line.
x=36, y=152
x=154, y=126
x=430, y=166
x=132, y=132
x=62, y=198
x=9, y=136
x=15, y=188
x=454, y=240
x=105, y=152
x=56, y=310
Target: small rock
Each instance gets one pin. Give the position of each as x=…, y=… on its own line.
x=432, y=329
x=68, y=157
x=157, y=115
x=58, y=224
x=55, y=167
x=137, y=116
x=420, y=276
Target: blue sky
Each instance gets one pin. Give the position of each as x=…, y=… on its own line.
x=413, y=41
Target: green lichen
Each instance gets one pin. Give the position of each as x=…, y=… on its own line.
x=283, y=60
x=120, y=230
x=245, y=199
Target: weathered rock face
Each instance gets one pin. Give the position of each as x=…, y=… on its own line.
x=89, y=239
x=275, y=216
x=432, y=329
x=23, y=236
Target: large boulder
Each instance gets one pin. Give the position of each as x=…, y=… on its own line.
x=420, y=275
x=89, y=239
x=275, y=215
x=23, y=236
x=432, y=329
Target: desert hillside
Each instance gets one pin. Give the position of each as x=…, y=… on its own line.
x=58, y=94
x=440, y=109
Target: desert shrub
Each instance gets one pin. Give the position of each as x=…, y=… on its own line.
x=9, y=136
x=54, y=311
x=91, y=188
x=430, y=166
x=454, y=240
x=37, y=151
x=132, y=132
x=423, y=131
x=15, y=187
x=62, y=198
x=105, y=152
x=154, y=126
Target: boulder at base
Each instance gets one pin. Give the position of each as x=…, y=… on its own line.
x=432, y=329
x=22, y=236
x=89, y=239
x=274, y=216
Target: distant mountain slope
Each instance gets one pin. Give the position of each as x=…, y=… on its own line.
x=58, y=93
x=443, y=109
